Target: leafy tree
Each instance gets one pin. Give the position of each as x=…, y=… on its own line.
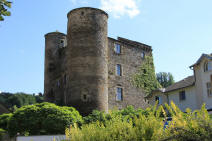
x=43, y=118
x=4, y=5
x=10, y=100
x=165, y=79
x=145, y=78
x=4, y=118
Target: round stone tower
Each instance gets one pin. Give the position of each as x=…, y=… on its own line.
x=53, y=66
x=87, y=60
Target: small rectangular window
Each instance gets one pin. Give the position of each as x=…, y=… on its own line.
x=142, y=55
x=182, y=95
x=119, y=94
x=209, y=89
x=118, y=70
x=118, y=48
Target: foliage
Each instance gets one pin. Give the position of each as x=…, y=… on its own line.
x=128, y=124
x=4, y=119
x=44, y=118
x=19, y=99
x=192, y=126
x=4, y=5
x=126, y=113
x=145, y=78
x=145, y=125
x=2, y=133
x=165, y=79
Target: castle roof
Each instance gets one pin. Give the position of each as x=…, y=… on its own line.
x=133, y=43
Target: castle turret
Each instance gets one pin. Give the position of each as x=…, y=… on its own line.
x=54, y=43
x=87, y=60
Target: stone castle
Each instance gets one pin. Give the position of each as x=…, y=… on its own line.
x=87, y=69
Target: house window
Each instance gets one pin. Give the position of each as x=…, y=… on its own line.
x=118, y=48
x=207, y=66
x=182, y=95
x=118, y=70
x=209, y=89
x=142, y=55
x=119, y=94
x=157, y=98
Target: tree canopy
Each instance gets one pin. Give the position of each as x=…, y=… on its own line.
x=42, y=119
x=165, y=79
x=9, y=100
x=4, y=5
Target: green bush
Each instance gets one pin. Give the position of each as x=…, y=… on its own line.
x=125, y=125
x=145, y=125
x=4, y=119
x=127, y=113
x=2, y=133
x=192, y=126
x=44, y=118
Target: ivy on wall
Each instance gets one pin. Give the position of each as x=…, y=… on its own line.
x=145, y=78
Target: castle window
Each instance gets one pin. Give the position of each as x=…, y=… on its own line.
x=142, y=55
x=65, y=79
x=209, y=88
x=182, y=95
x=58, y=83
x=119, y=94
x=118, y=70
x=62, y=43
x=118, y=48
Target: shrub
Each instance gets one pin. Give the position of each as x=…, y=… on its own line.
x=145, y=125
x=192, y=126
x=2, y=133
x=127, y=125
x=4, y=119
x=44, y=118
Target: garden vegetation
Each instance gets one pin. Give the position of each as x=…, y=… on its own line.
x=128, y=124
x=144, y=125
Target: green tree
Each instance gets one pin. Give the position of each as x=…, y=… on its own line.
x=10, y=100
x=43, y=118
x=145, y=78
x=165, y=79
x=4, y=118
x=4, y=5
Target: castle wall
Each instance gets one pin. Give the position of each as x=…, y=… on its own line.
x=87, y=64
x=54, y=67
x=130, y=60
x=83, y=74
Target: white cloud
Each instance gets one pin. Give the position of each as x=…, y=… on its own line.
x=74, y=1
x=117, y=8
x=120, y=8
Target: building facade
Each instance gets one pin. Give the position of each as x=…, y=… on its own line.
x=87, y=69
x=191, y=92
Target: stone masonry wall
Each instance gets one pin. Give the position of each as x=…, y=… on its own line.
x=130, y=60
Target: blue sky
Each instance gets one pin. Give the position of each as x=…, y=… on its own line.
x=179, y=31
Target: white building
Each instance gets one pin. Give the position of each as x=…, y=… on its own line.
x=190, y=92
